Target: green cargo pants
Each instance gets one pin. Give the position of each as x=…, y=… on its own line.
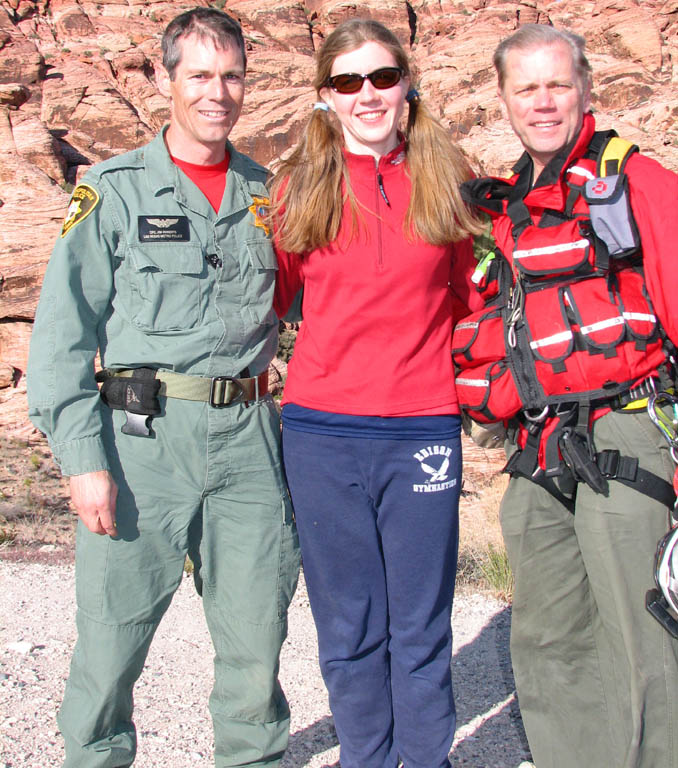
x=596, y=675
x=209, y=483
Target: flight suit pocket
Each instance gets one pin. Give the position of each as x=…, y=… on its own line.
x=160, y=286
x=259, y=272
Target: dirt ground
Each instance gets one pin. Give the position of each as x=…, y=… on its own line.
x=37, y=632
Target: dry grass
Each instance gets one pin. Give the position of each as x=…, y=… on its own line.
x=482, y=557
x=34, y=511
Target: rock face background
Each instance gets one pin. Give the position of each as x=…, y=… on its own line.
x=77, y=86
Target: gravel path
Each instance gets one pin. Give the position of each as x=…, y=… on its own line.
x=37, y=633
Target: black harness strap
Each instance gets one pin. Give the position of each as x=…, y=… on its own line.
x=612, y=466
x=578, y=457
x=625, y=470
x=524, y=464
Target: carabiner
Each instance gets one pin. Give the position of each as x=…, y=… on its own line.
x=667, y=427
x=539, y=418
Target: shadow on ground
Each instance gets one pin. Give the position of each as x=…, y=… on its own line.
x=312, y=740
x=490, y=731
x=489, y=728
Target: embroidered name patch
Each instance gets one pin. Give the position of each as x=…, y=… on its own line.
x=259, y=209
x=83, y=201
x=163, y=229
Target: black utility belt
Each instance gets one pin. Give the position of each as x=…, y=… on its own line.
x=136, y=391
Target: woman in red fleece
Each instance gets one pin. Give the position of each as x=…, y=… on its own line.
x=371, y=224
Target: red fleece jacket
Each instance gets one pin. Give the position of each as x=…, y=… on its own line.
x=378, y=309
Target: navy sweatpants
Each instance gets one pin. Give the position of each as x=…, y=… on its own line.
x=378, y=527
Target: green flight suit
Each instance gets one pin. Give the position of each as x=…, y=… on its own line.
x=147, y=274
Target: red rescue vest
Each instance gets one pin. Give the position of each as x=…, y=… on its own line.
x=567, y=316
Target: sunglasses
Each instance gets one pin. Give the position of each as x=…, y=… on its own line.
x=350, y=82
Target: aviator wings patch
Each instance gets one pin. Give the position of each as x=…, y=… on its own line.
x=162, y=223
x=83, y=201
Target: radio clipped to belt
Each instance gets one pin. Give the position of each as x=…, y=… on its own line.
x=136, y=394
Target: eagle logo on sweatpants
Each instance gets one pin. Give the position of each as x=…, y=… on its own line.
x=434, y=461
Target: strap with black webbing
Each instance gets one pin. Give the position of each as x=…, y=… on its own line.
x=625, y=470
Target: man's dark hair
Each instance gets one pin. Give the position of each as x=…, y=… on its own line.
x=207, y=24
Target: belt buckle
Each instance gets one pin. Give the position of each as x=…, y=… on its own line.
x=218, y=390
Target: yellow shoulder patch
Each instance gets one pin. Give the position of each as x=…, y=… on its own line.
x=614, y=155
x=259, y=209
x=83, y=201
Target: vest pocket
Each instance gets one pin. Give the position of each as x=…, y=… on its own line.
x=635, y=305
x=478, y=338
x=595, y=336
x=488, y=392
x=485, y=386
x=611, y=214
x=551, y=251
x=601, y=324
x=548, y=329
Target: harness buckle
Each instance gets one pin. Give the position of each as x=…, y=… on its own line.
x=608, y=463
x=219, y=391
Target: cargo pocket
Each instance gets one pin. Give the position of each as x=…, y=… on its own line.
x=160, y=286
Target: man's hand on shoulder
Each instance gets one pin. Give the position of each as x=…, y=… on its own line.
x=93, y=495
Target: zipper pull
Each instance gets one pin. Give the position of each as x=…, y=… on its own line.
x=380, y=182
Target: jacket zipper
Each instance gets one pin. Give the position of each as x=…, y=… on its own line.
x=380, y=191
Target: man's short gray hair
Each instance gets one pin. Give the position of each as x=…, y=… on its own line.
x=207, y=24
x=531, y=36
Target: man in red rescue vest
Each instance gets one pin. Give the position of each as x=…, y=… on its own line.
x=577, y=332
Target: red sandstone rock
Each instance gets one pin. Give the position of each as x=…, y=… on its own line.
x=77, y=86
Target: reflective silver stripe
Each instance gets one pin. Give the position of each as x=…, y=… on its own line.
x=602, y=324
x=560, y=248
x=640, y=316
x=581, y=172
x=555, y=339
x=464, y=326
x=473, y=382
x=611, y=322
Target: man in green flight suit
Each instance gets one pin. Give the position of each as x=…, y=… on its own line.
x=165, y=267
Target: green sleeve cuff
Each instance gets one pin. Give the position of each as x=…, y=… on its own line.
x=78, y=457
